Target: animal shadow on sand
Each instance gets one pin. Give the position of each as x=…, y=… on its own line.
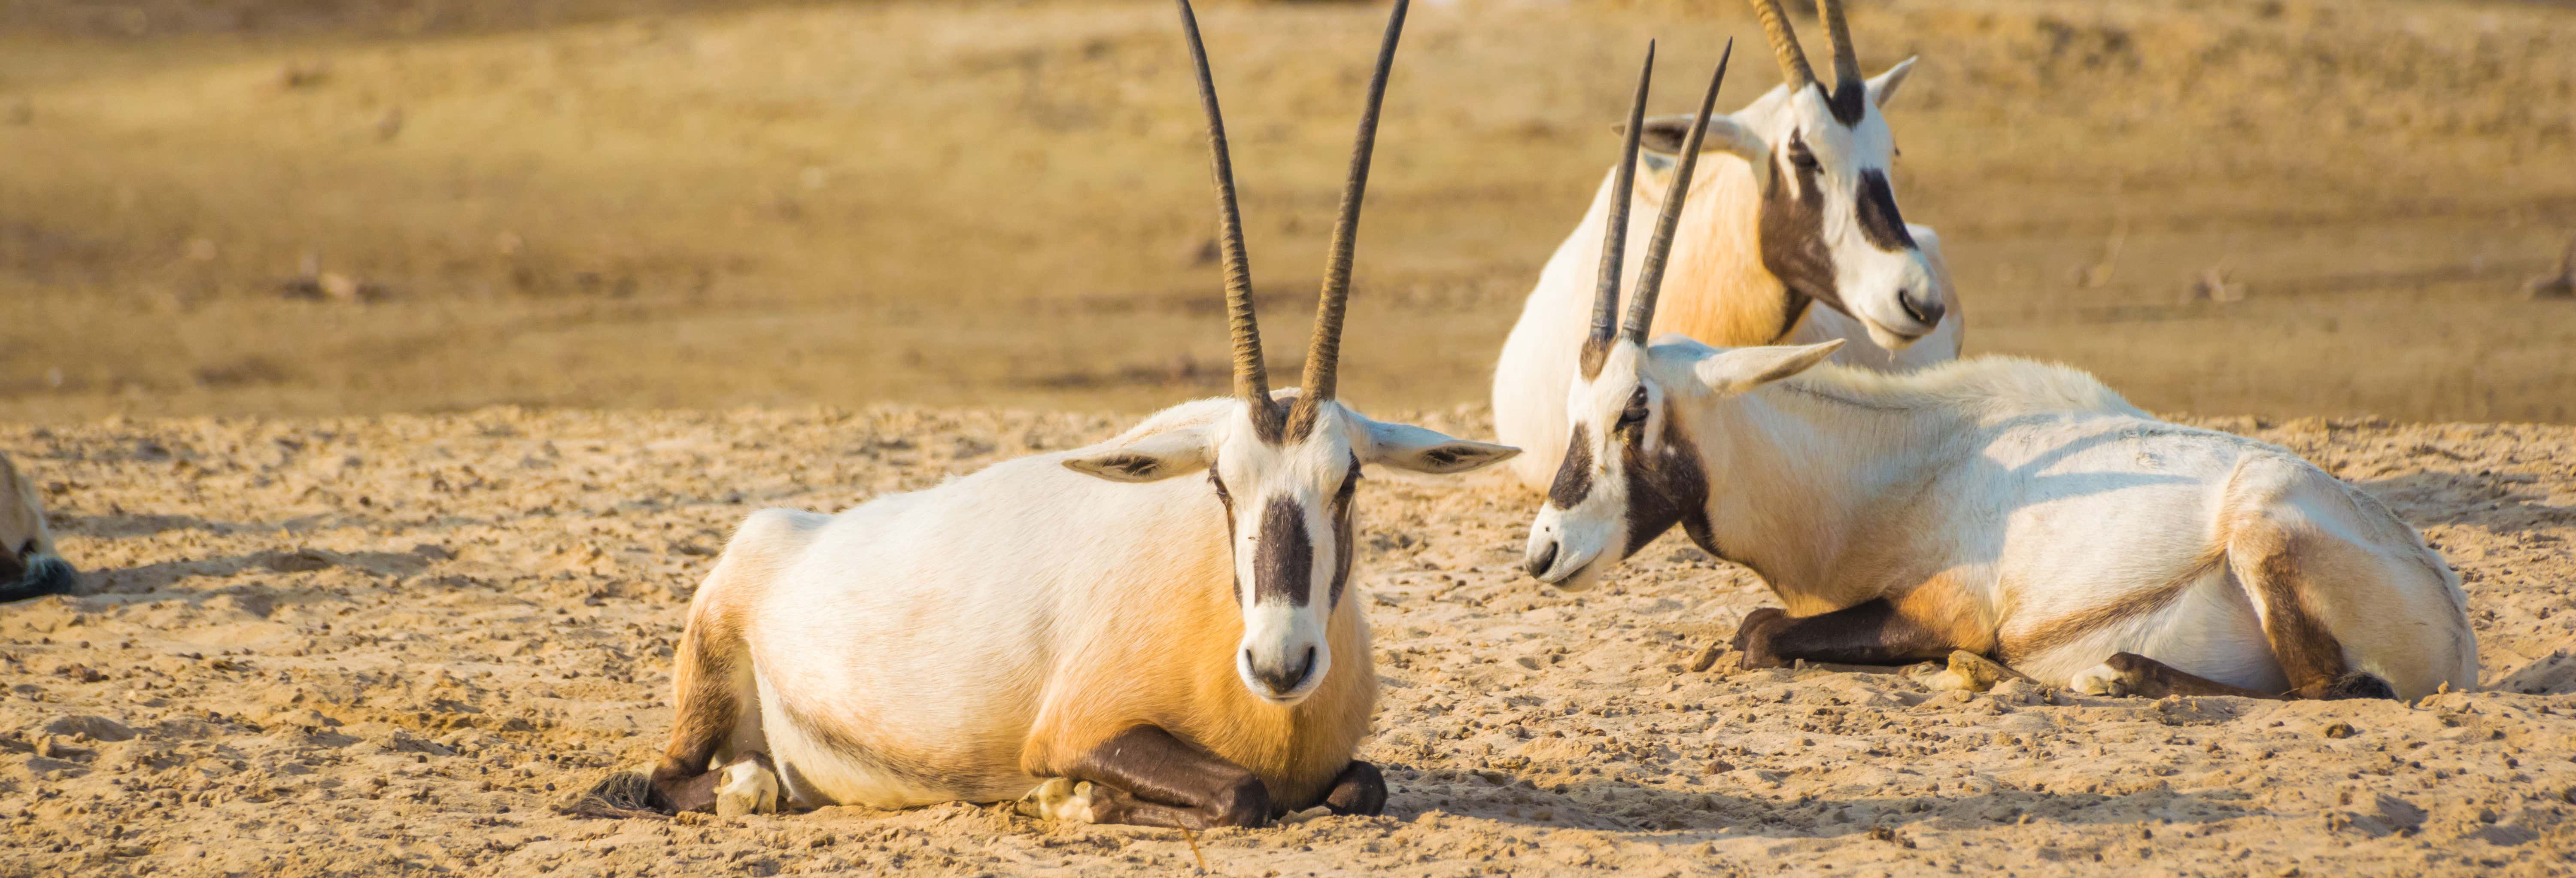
x=1698, y=815
x=2498, y=502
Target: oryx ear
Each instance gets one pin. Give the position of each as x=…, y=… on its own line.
x=1150, y=459
x=1883, y=87
x=1742, y=369
x=1663, y=137
x=1411, y=448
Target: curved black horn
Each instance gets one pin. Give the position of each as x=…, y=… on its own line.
x=1614, y=239
x=1650, y=276
x=1324, y=353
x=1251, y=376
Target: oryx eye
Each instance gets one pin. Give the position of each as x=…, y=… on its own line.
x=1635, y=413
x=1221, y=493
x=1801, y=156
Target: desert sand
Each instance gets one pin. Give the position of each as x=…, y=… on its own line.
x=396, y=644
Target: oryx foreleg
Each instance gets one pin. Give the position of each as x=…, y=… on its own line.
x=1146, y=777
x=1875, y=632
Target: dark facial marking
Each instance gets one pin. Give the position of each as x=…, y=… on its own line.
x=1848, y=101
x=1574, y=476
x=1879, y=221
x=1283, y=564
x=1595, y=352
x=1793, y=228
x=1340, y=512
x=1667, y=488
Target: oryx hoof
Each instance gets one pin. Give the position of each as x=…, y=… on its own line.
x=1753, y=637
x=1361, y=790
x=747, y=786
x=1061, y=799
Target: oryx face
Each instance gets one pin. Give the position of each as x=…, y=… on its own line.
x=1829, y=229
x=1629, y=473
x=1288, y=501
x=1633, y=463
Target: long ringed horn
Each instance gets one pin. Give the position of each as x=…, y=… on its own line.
x=1614, y=239
x=1838, y=31
x=1251, y=376
x=1784, y=44
x=1323, y=354
x=1650, y=276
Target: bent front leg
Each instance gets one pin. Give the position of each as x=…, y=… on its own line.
x=1870, y=633
x=1360, y=790
x=1146, y=777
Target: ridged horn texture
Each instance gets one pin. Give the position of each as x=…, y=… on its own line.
x=1837, y=31
x=1659, y=249
x=1784, y=44
x=1324, y=353
x=1251, y=376
x=1614, y=239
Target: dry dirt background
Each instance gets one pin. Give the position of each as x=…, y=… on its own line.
x=267, y=266
x=709, y=205
x=376, y=645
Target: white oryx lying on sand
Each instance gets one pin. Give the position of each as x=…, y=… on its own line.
x=1993, y=505
x=28, y=566
x=1795, y=209
x=1083, y=631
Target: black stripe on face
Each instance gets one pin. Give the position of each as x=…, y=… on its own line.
x=1574, y=476
x=1283, y=563
x=1792, y=229
x=1879, y=221
x=1668, y=488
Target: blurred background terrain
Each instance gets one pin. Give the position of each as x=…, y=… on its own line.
x=349, y=206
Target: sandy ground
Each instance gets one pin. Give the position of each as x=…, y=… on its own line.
x=392, y=645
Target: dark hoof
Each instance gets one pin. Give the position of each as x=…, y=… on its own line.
x=1361, y=790
x=44, y=575
x=2361, y=685
x=1247, y=805
x=1753, y=638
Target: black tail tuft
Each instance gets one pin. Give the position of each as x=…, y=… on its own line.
x=47, y=575
x=2361, y=685
x=621, y=794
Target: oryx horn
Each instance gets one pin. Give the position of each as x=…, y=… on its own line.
x=1614, y=238
x=1251, y=376
x=1324, y=353
x=1650, y=276
x=1784, y=44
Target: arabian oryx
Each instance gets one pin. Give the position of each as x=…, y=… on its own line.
x=1993, y=505
x=1084, y=631
x=1795, y=210
x=28, y=566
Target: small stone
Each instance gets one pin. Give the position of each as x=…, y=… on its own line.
x=2339, y=730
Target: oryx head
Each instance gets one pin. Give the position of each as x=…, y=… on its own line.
x=1820, y=153
x=1285, y=466
x=1631, y=468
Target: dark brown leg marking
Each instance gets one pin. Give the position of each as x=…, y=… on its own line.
x=1360, y=790
x=1156, y=780
x=2147, y=678
x=1871, y=633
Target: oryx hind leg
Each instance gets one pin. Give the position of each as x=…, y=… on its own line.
x=2131, y=674
x=2290, y=540
x=715, y=696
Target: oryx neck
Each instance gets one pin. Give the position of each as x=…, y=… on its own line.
x=1795, y=470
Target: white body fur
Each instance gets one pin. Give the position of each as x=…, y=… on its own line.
x=954, y=644
x=2027, y=508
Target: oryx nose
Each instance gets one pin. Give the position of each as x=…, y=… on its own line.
x=1541, y=560
x=1282, y=679
x=1924, y=309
